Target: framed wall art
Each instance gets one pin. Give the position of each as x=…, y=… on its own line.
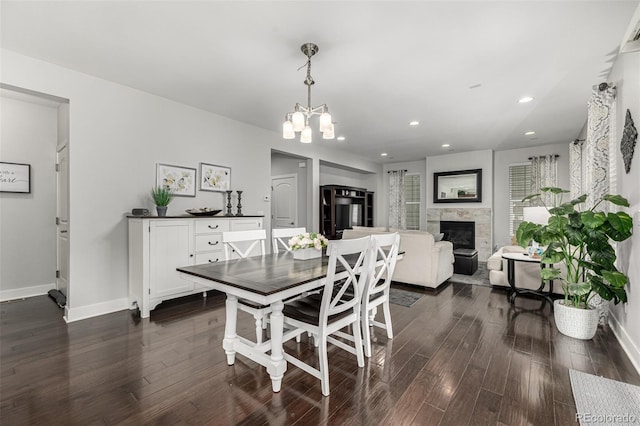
x=180, y=180
x=462, y=186
x=214, y=178
x=15, y=177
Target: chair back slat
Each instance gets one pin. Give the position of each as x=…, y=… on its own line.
x=280, y=237
x=353, y=256
x=384, y=247
x=254, y=238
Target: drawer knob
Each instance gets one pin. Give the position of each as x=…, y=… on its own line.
x=213, y=261
x=213, y=227
x=190, y=255
x=212, y=244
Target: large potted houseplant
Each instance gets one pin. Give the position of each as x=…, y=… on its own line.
x=162, y=196
x=581, y=240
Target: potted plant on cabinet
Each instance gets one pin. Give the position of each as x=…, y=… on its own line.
x=162, y=196
x=582, y=242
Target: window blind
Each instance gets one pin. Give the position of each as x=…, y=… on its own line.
x=519, y=184
x=412, y=200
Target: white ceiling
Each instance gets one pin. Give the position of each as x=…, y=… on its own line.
x=380, y=63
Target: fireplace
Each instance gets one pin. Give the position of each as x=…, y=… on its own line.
x=461, y=234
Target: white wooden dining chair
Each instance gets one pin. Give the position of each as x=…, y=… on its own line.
x=280, y=237
x=338, y=308
x=243, y=243
x=233, y=240
x=382, y=263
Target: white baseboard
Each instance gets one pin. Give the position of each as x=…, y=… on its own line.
x=627, y=344
x=89, y=311
x=21, y=293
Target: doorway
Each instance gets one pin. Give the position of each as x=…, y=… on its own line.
x=38, y=128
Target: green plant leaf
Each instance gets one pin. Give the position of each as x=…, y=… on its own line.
x=549, y=273
x=525, y=232
x=579, y=200
x=530, y=197
x=621, y=222
x=593, y=220
x=554, y=190
x=579, y=289
x=615, y=278
x=618, y=200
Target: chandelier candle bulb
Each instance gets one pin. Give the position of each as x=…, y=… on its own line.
x=325, y=122
x=305, y=136
x=328, y=134
x=287, y=130
x=298, y=121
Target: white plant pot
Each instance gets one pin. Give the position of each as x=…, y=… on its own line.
x=575, y=322
x=307, y=253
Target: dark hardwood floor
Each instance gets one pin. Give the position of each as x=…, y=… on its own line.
x=462, y=356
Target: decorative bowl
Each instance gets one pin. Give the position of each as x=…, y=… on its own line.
x=205, y=211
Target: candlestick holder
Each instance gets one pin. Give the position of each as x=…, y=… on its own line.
x=228, y=203
x=239, y=212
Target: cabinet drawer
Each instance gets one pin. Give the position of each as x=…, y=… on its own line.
x=248, y=224
x=209, y=242
x=211, y=225
x=216, y=256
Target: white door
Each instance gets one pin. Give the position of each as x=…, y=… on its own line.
x=284, y=201
x=62, y=221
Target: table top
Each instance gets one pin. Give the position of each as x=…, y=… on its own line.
x=263, y=275
x=520, y=257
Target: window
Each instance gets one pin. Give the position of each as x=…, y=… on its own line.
x=412, y=200
x=519, y=184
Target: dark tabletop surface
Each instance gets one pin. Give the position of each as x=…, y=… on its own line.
x=263, y=275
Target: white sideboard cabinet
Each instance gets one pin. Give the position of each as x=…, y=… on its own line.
x=157, y=246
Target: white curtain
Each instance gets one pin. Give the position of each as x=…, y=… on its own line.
x=593, y=163
x=544, y=173
x=397, y=208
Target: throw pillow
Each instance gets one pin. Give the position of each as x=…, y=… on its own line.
x=438, y=237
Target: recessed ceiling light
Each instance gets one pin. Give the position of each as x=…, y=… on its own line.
x=414, y=123
x=384, y=154
x=525, y=99
x=340, y=138
x=445, y=145
x=530, y=133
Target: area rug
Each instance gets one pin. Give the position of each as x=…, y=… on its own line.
x=403, y=297
x=480, y=277
x=601, y=401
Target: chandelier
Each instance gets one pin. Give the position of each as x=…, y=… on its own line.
x=298, y=120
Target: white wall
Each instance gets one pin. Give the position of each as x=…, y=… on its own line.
x=117, y=135
x=502, y=161
x=462, y=161
x=419, y=167
x=626, y=318
x=330, y=175
x=27, y=221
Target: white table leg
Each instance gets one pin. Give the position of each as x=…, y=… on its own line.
x=277, y=366
x=230, y=336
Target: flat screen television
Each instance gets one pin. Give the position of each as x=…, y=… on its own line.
x=349, y=213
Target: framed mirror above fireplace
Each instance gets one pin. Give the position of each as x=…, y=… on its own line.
x=461, y=186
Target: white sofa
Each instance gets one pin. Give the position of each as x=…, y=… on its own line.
x=425, y=262
x=527, y=274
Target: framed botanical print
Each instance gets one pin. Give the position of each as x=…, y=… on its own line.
x=180, y=180
x=214, y=178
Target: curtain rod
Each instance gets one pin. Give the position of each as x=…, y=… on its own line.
x=551, y=155
x=396, y=171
